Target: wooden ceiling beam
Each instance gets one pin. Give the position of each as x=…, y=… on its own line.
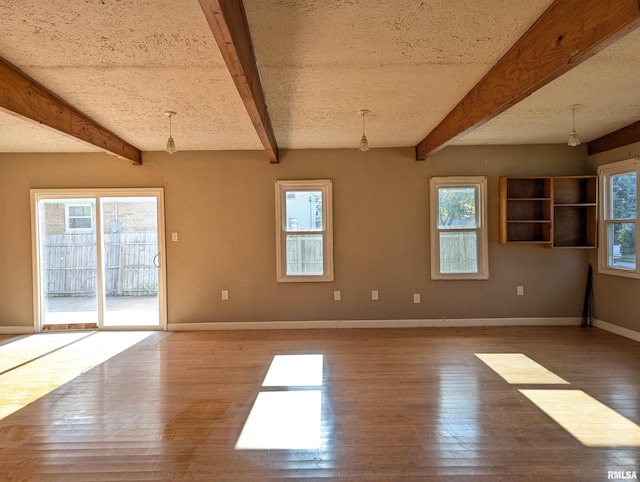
x=622, y=137
x=25, y=98
x=228, y=23
x=568, y=33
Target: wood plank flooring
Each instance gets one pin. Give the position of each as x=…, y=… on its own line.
x=397, y=404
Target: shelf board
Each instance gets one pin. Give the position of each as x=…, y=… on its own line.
x=529, y=199
x=527, y=241
x=582, y=246
x=576, y=205
x=529, y=221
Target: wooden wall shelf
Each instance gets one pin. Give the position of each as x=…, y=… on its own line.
x=558, y=212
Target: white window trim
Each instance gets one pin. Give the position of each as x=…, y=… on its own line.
x=605, y=172
x=67, y=217
x=479, y=183
x=282, y=187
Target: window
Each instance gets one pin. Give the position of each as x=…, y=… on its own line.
x=458, y=228
x=304, y=231
x=78, y=218
x=618, y=218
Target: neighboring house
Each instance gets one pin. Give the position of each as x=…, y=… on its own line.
x=129, y=237
x=78, y=217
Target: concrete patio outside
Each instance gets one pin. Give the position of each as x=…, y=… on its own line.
x=118, y=310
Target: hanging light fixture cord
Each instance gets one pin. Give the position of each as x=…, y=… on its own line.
x=574, y=140
x=364, y=142
x=171, y=145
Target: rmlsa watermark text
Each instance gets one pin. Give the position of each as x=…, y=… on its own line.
x=622, y=475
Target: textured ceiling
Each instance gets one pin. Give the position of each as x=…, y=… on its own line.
x=408, y=62
x=124, y=62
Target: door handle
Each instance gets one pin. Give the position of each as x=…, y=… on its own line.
x=156, y=260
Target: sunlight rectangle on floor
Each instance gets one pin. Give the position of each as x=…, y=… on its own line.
x=294, y=371
x=517, y=368
x=588, y=420
x=283, y=420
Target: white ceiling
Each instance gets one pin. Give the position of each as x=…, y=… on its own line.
x=124, y=62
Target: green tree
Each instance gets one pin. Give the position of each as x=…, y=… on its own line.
x=457, y=206
x=623, y=191
x=627, y=240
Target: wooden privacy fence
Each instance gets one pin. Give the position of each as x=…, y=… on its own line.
x=304, y=254
x=458, y=252
x=70, y=264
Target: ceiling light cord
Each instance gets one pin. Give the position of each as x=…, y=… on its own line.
x=171, y=145
x=574, y=140
x=364, y=142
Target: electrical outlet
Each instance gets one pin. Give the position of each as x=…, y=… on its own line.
x=416, y=298
x=337, y=296
x=374, y=295
x=225, y=295
x=520, y=290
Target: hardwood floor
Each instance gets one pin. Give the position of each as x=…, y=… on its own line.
x=405, y=404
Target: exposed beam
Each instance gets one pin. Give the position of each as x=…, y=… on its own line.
x=228, y=23
x=25, y=98
x=622, y=137
x=568, y=33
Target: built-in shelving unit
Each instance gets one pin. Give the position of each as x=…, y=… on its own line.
x=558, y=212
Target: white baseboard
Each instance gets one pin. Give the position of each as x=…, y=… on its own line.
x=618, y=330
x=16, y=330
x=421, y=323
x=319, y=324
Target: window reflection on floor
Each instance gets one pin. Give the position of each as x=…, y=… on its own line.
x=457, y=418
x=588, y=420
x=287, y=419
x=517, y=368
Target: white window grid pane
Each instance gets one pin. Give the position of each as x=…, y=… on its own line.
x=458, y=251
x=306, y=207
x=304, y=254
x=79, y=218
x=455, y=211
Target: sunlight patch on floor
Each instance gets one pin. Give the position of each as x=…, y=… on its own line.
x=283, y=420
x=24, y=350
x=517, y=368
x=287, y=419
x=591, y=422
x=294, y=371
x=27, y=383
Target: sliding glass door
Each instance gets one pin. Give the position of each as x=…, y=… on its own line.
x=68, y=256
x=98, y=259
x=130, y=259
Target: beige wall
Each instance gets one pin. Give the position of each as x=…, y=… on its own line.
x=616, y=298
x=222, y=206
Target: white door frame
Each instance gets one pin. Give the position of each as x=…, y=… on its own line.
x=97, y=194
